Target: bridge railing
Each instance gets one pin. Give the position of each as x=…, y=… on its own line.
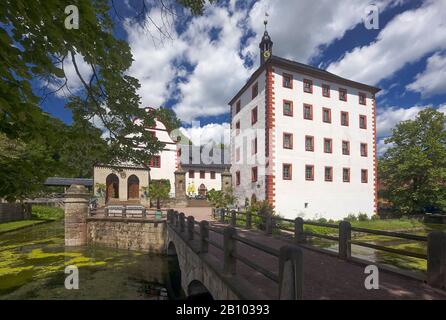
x=435, y=242
x=290, y=260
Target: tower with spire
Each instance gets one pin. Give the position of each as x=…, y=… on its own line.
x=266, y=45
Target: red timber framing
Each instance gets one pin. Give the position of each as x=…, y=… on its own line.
x=269, y=138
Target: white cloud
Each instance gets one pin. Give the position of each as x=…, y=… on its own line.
x=389, y=117
x=407, y=38
x=214, y=132
x=382, y=147
x=432, y=80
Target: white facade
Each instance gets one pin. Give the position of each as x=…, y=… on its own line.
x=298, y=196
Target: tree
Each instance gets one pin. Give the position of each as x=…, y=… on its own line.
x=159, y=190
x=221, y=199
x=413, y=170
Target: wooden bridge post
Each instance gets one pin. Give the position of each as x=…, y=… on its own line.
x=290, y=273
x=345, y=235
x=182, y=221
x=233, y=218
x=169, y=215
x=222, y=215
x=204, y=236
x=269, y=225
x=190, y=227
x=230, y=249
x=436, y=259
x=176, y=219
x=248, y=220
x=299, y=230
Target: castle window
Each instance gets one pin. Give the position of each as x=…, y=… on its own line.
x=191, y=174
x=326, y=90
x=202, y=174
x=362, y=122
x=254, y=146
x=254, y=115
x=309, y=143
x=155, y=162
x=344, y=118
x=308, y=86
x=328, y=145
x=237, y=107
x=287, y=80
x=237, y=154
x=328, y=173
x=346, y=175
x=362, y=98
x=345, y=148
x=287, y=108
x=287, y=171
x=288, y=141
x=255, y=90
x=364, y=175
x=212, y=174
x=342, y=94
x=364, y=150
x=254, y=174
x=237, y=178
x=237, y=127
x=326, y=115
x=308, y=112
x=309, y=172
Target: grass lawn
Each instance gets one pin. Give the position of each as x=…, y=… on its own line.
x=14, y=225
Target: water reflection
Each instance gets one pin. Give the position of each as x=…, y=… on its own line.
x=32, y=263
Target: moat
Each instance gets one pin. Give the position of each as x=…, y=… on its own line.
x=33, y=260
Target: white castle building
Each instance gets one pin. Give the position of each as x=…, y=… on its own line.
x=304, y=139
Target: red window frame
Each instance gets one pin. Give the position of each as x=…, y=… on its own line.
x=290, y=114
x=330, y=178
x=329, y=115
x=348, y=147
x=290, y=171
x=155, y=162
x=312, y=143
x=348, y=175
x=254, y=115
x=254, y=174
x=362, y=94
x=237, y=127
x=364, y=176
x=213, y=175
x=191, y=174
x=306, y=105
x=255, y=90
x=365, y=121
x=290, y=135
x=237, y=178
x=237, y=107
x=202, y=174
x=346, y=117
x=310, y=82
x=366, y=151
x=331, y=145
x=340, y=96
x=327, y=87
x=290, y=77
x=308, y=166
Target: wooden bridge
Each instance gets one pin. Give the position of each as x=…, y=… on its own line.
x=227, y=259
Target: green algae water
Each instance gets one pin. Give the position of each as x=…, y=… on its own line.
x=33, y=261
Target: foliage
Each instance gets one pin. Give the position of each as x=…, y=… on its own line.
x=221, y=199
x=100, y=189
x=159, y=190
x=351, y=217
x=363, y=217
x=263, y=208
x=413, y=170
x=47, y=213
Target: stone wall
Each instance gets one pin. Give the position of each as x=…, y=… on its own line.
x=14, y=211
x=146, y=236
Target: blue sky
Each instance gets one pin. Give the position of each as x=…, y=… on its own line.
x=206, y=59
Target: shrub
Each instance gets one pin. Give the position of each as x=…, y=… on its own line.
x=351, y=217
x=363, y=217
x=375, y=217
x=47, y=213
x=322, y=220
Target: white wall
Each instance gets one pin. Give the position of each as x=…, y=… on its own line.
x=207, y=181
x=325, y=199
x=243, y=141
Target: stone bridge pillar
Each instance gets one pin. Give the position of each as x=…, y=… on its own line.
x=76, y=211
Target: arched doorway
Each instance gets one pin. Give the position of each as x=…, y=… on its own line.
x=253, y=199
x=197, y=291
x=133, y=187
x=112, y=185
x=202, y=190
